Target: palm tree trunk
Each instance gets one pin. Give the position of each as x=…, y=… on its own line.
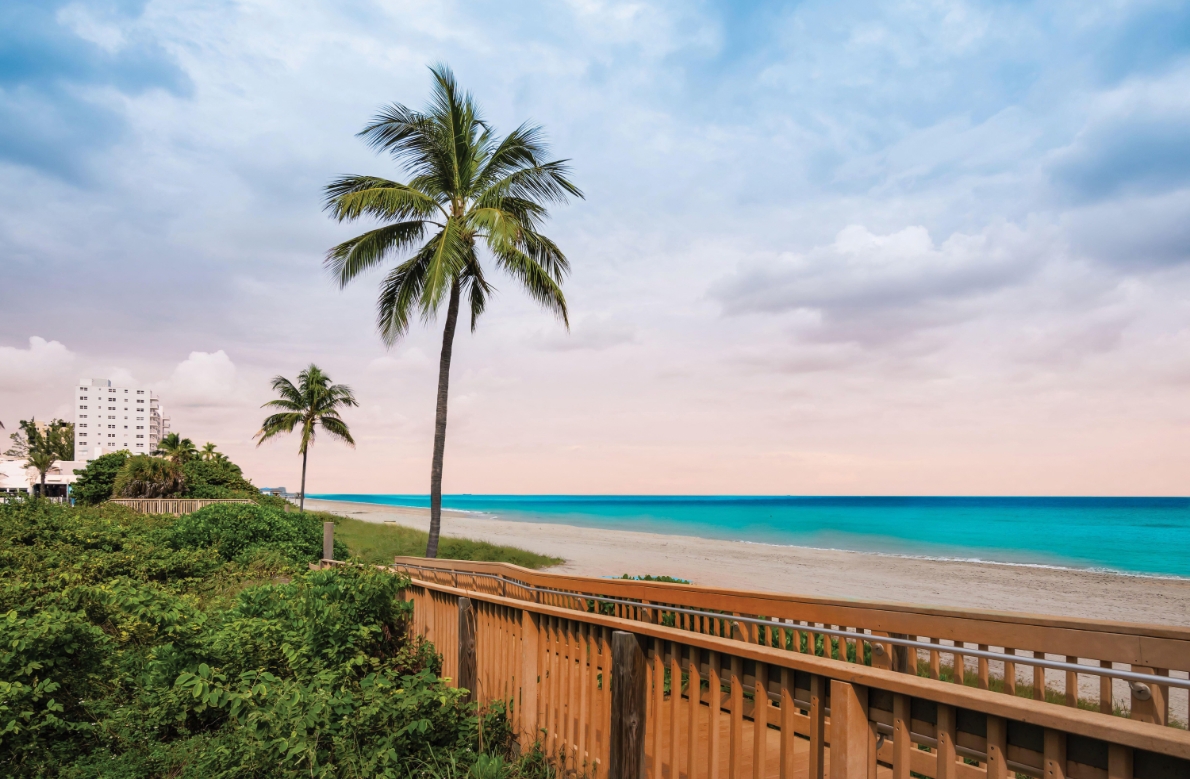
x=42, y=484
x=302, y=497
x=448, y=338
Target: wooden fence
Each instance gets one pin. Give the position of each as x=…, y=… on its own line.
x=839, y=680
x=175, y=506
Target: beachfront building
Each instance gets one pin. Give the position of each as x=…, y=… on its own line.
x=14, y=478
x=108, y=418
x=17, y=478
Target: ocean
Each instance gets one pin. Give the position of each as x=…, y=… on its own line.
x=1139, y=536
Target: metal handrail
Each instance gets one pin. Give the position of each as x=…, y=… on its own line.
x=1056, y=665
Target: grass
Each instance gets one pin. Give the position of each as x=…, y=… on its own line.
x=376, y=543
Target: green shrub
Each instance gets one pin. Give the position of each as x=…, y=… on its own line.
x=650, y=578
x=216, y=479
x=122, y=655
x=144, y=476
x=96, y=481
x=237, y=530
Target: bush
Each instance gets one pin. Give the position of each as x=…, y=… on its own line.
x=216, y=479
x=124, y=656
x=237, y=530
x=96, y=481
x=144, y=476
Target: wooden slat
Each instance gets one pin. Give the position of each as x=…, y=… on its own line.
x=788, y=718
x=902, y=739
x=1010, y=672
x=946, y=768
x=817, y=761
x=997, y=747
x=716, y=693
x=1119, y=762
x=1055, y=754
x=693, y=707
x=760, y=710
x=1071, y=683
x=584, y=684
x=736, y=738
x=656, y=702
x=675, y=702
x=1106, y=702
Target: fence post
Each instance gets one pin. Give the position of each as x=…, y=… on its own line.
x=1054, y=754
x=328, y=540
x=818, y=687
x=997, y=738
x=850, y=732
x=529, y=680
x=467, y=669
x=629, y=679
x=1148, y=701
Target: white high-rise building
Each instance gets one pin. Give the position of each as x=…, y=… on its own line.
x=108, y=419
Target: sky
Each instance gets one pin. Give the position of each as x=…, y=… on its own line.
x=932, y=248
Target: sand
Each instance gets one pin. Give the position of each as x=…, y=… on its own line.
x=819, y=572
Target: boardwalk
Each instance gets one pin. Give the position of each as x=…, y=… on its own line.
x=849, y=689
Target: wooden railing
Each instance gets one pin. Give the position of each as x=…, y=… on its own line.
x=1140, y=671
x=175, y=506
x=548, y=652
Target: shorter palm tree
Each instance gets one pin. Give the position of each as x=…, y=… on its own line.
x=42, y=460
x=149, y=477
x=208, y=452
x=176, y=449
x=313, y=402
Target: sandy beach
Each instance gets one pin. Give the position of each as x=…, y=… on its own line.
x=807, y=571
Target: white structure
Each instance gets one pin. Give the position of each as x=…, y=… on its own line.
x=108, y=419
x=16, y=478
x=13, y=477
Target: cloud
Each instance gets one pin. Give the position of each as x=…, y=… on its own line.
x=42, y=364
x=1133, y=233
x=865, y=286
x=592, y=333
x=1137, y=140
x=61, y=64
x=408, y=360
x=202, y=379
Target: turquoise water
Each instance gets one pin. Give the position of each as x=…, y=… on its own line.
x=1129, y=535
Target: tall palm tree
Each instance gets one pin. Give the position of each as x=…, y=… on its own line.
x=314, y=402
x=466, y=186
x=176, y=449
x=208, y=452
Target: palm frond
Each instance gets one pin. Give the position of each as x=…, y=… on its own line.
x=450, y=253
x=399, y=293
x=539, y=284
x=354, y=256
x=522, y=148
x=546, y=182
x=351, y=197
x=337, y=428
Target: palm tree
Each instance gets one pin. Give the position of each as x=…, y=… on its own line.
x=313, y=402
x=465, y=185
x=176, y=449
x=208, y=452
x=42, y=459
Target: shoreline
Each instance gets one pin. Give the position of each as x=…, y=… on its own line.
x=836, y=573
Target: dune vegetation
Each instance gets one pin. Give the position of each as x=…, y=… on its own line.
x=205, y=646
